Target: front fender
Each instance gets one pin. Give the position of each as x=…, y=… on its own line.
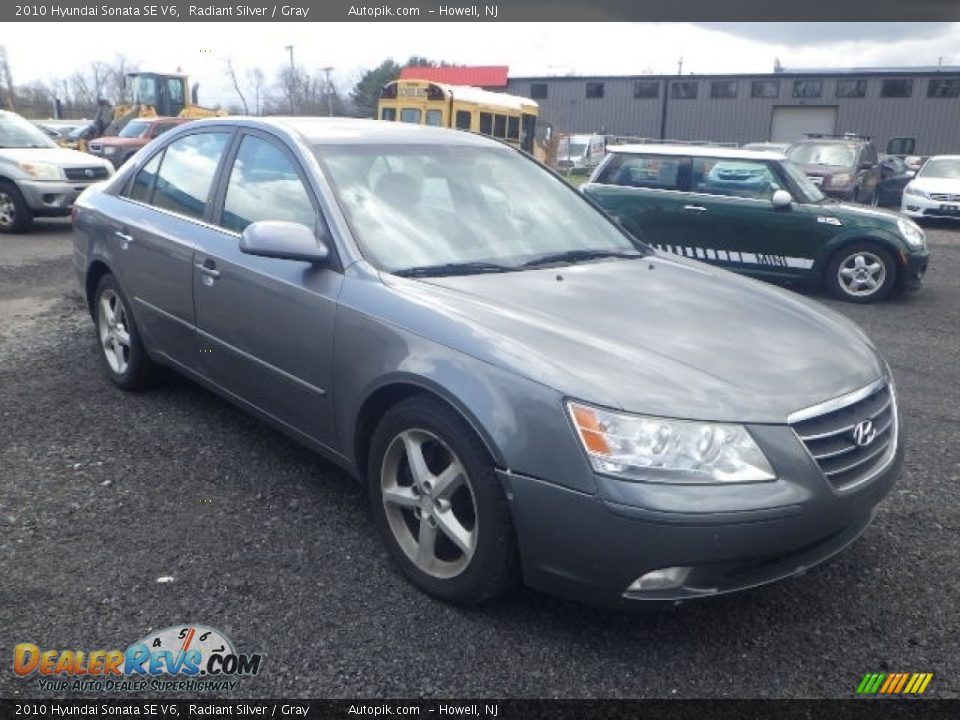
x=884, y=238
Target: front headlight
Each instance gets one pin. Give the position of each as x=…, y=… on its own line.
x=911, y=233
x=839, y=180
x=911, y=190
x=635, y=447
x=41, y=171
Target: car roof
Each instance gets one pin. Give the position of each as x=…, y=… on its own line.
x=724, y=153
x=832, y=141
x=345, y=131
x=944, y=157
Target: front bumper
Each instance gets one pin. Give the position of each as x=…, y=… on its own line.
x=913, y=267
x=51, y=197
x=915, y=206
x=591, y=548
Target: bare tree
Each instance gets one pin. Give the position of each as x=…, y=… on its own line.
x=8, y=91
x=236, y=85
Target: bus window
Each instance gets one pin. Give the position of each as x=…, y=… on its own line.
x=435, y=117
x=513, y=128
x=529, y=128
x=410, y=115
x=463, y=120
x=486, y=123
x=388, y=114
x=499, y=126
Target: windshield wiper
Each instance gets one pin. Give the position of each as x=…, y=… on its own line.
x=574, y=256
x=465, y=268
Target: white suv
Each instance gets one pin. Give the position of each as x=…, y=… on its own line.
x=38, y=178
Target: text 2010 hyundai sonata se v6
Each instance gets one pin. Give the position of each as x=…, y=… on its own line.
x=527, y=391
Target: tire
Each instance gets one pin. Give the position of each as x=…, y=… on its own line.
x=127, y=364
x=15, y=215
x=455, y=493
x=862, y=273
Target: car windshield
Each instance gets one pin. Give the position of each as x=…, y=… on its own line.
x=823, y=154
x=135, y=129
x=804, y=191
x=454, y=206
x=941, y=168
x=15, y=132
x=577, y=149
x=77, y=133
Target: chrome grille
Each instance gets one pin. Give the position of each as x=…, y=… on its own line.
x=942, y=197
x=829, y=434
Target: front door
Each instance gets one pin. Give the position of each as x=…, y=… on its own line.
x=265, y=325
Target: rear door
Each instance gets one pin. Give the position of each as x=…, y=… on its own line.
x=739, y=228
x=155, y=231
x=265, y=325
x=644, y=192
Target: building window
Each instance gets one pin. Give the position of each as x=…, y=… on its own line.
x=944, y=87
x=684, y=90
x=594, y=90
x=807, y=88
x=896, y=88
x=646, y=89
x=723, y=89
x=538, y=91
x=765, y=88
x=851, y=88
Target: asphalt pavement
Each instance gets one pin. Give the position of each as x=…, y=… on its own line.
x=102, y=493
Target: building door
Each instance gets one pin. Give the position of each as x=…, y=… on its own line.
x=791, y=122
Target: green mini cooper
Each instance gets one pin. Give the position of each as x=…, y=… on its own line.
x=757, y=213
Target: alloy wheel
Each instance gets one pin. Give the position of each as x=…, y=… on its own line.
x=114, y=331
x=861, y=274
x=8, y=210
x=429, y=503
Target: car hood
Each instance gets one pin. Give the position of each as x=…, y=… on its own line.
x=945, y=186
x=60, y=157
x=823, y=170
x=657, y=335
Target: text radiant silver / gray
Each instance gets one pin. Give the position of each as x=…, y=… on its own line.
x=527, y=391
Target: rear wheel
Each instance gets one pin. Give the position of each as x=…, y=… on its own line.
x=861, y=273
x=439, y=505
x=124, y=357
x=15, y=215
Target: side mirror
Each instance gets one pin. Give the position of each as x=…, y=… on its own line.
x=782, y=200
x=283, y=240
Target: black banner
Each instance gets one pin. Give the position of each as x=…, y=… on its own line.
x=461, y=11
x=490, y=709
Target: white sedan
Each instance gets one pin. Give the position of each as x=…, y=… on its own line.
x=935, y=191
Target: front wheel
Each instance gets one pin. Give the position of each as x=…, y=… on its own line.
x=861, y=273
x=439, y=505
x=15, y=214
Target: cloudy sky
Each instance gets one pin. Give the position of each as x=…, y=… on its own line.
x=201, y=49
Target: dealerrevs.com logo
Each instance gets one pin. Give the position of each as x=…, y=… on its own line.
x=187, y=658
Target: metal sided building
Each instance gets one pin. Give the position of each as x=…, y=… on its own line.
x=922, y=103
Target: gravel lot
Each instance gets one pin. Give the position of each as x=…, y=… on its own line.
x=102, y=492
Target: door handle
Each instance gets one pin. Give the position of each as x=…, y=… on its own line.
x=695, y=208
x=124, y=237
x=209, y=269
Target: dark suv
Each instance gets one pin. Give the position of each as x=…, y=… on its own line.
x=845, y=167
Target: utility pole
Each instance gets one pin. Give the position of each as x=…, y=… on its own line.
x=329, y=89
x=680, y=66
x=293, y=80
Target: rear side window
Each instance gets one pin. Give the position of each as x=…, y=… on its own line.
x=644, y=171
x=264, y=185
x=186, y=173
x=142, y=189
x=734, y=178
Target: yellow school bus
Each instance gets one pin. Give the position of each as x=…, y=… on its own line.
x=508, y=117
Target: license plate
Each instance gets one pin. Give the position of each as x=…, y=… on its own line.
x=950, y=208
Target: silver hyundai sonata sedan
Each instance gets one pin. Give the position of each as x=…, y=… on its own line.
x=528, y=392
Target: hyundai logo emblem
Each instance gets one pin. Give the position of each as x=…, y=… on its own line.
x=864, y=433
x=89, y=173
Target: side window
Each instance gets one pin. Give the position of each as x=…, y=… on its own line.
x=513, y=128
x=434, y=117
x=161, y=128
x=869, y=154
x=644, y=171
x=388, y=114
x=463, y=119
x=410, y=115
x=186, y=174
x=143, y=183
x=486, y=123
x=264, y=185
x=735, y=178
x=499, y=126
